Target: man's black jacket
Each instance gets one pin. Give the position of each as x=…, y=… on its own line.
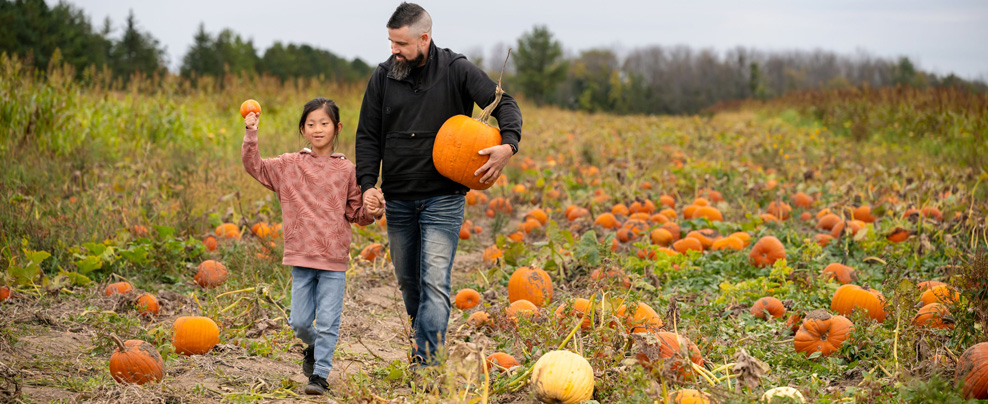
x=399, y=121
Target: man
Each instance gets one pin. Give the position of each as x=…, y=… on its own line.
x=408, y=98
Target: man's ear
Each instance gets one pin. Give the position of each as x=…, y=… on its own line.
x=425, y=37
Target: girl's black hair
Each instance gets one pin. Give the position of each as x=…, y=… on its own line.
x=327, y=105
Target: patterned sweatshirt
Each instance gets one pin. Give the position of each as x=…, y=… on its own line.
x=319, y=199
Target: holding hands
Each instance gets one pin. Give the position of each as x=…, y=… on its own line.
x=251, y=120
x=374, y=202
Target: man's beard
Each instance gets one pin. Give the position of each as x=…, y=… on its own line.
x=401, y=69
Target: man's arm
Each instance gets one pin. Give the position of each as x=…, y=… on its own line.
x=369, y=139
x=482, y=89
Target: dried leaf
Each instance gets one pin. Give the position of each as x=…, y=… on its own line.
x=749, y=370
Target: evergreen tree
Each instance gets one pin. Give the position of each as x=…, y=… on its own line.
x=538, y=64
x=136, y=51
x=201, y=59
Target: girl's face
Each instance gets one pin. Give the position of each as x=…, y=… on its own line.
x=320, y=131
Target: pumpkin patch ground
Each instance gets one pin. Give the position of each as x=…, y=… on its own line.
x=626, y=233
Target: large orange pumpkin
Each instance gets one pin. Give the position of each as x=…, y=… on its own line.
x=642, y=319
x=822, y=333
x=973, y=368
x=194, y=335
x=135, y=362
x=940, y=294
x=457, y=143
x=934, y=315
x=848, y=298
x=766, y=251
x=211, y=274
x=532, y=284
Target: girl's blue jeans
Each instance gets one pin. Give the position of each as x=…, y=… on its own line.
x=317, y=296
x=423, y=235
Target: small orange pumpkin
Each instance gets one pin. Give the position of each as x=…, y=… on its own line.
x=577, y=308
x=250, y=106
x=766, y=251
x=147, y=305
x=194, y=335
x=135, y=362
x=770, y=305
x=848, y=298
x=522, y=308
x=822, y=333
x=211, y=274
x=502, y=360
x=372, y=251
x=467, y=298
x=478, y=319
x=842, y=273
x=117, y=287
x=532, y=284
x=934, y=315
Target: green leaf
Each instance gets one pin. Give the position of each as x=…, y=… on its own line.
x=815, y=355
x=76, y=278
x=24, y=275
x=94, y=249
x=36, y=257
x=164, y=231
x=587, y=249
x=136, y=255
x=89, y=264
x=514, y=253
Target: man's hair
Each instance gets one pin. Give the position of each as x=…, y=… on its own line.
x=413, y=16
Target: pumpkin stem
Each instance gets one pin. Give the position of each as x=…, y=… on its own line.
x=120, y=343
x=486, y=114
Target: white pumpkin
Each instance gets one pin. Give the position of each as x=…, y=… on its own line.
x=562, y=377
x=783, y=392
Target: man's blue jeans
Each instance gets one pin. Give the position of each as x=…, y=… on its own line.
x=423, y=236
x=318, y=295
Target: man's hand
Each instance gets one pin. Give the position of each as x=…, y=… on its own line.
x=374, y=202
x=251, y=121
x=491, y=170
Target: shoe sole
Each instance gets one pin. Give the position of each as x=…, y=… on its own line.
x=314, y=390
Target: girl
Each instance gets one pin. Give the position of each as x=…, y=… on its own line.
x=319, y=199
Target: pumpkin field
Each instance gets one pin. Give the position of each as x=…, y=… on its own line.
x=824, y=247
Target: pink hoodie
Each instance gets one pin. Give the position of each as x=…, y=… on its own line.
x=319, y=199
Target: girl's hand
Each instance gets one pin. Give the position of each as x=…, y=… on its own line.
x=251, y=121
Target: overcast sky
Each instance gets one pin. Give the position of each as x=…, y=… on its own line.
x=941, y=36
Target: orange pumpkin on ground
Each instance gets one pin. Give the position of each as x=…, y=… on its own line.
x=613, y=275
x=607, y=221
x=852, y=227
x=478, y=319
x=770, y=305
x=849, y=298
x=728, y=243
x=802, y=200
x=940, y=294
x=842, y=273
x=499, y=204
x=688, y=244
x=135, y=362
x=228, y=231
x=210, y=243
x=194, y=335
x=710, y=213
x=642, y=319
x=577, y=308
x=522, y=308
x=821, y=332
x=372, y=251
x=934, y=315
x=466, y=299
x=117, y=288
x=491, y=254
x=661, y=237
x=539, y=215
x=5, y=293
x=502, y=360
x=828, y=221
x=743, y=236
x=147, y=305
x=706, y=237
x=675, y=348
x=766, y=251
x=667, y=200
x=531, y=284
x=779, y=209
x=898, y=235
x=211, y=274
x=687, y=396
x=863, y=213
x=822, y=240
x=620, y=209
x=973, y=368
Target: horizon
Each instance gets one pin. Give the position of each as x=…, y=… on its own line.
x=930, y=35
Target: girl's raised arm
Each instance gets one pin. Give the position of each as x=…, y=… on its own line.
x=266, y=171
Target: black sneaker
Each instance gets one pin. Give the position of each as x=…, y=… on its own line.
x=310, y=360
x=317, y=386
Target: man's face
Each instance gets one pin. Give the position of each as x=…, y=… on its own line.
x=408, y=49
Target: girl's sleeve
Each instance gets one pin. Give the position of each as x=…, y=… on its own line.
x=355, y=212
x=266, y=171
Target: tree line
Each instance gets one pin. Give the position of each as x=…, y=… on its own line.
x=648, y=80
x=680, y=79
x=34, y=31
